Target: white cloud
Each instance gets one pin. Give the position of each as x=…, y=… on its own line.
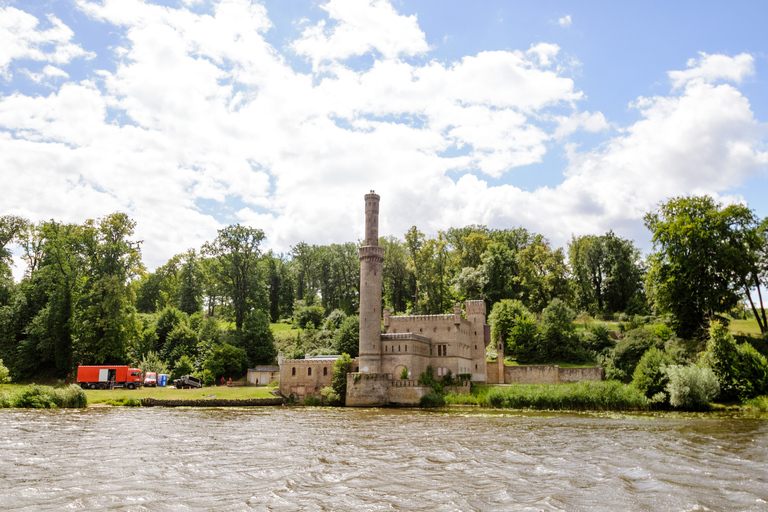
x=712, y=68
x=200, y=110
x=361, y=26
x=565, y=21
x=20, y=38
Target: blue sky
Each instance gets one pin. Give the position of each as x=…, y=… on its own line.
x=566, y=118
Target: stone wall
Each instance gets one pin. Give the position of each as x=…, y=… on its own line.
x=406, y=392
x=578, y=374
x=211, y=402
x=368, y=390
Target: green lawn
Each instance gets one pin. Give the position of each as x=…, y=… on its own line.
x=283, y=328
x=748, y=327
x=103, y=396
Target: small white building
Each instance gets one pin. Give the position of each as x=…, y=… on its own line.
x=263, y=375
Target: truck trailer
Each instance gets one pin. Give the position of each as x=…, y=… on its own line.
x=108, y=377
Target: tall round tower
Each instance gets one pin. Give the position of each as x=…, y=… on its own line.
x=371, y=259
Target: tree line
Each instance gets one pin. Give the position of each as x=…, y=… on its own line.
x=87, y=298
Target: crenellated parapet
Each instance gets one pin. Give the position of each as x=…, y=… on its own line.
x=371, y=253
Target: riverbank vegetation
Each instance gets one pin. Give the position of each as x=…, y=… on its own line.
x=34, y=396
x=599, y=396
x=215, y=310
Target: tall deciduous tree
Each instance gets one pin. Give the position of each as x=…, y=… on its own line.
x=237, y=249
x=702, y=258
x=606, y=270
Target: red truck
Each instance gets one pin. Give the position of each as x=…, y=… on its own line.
x=107, y=377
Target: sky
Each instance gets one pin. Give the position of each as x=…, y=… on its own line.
x=566, y=118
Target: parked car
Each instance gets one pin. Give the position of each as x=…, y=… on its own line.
x=150, y=379
x=188, y=382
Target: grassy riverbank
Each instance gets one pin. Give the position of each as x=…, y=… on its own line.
x=47, y=397
x=132, y=396
x=586, y=395
x=35, y=396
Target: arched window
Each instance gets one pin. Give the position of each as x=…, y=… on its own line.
x=309, y=371
x=325, y=370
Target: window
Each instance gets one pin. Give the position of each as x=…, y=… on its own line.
x=325, y=370
x=293, y=371
x=309, y=371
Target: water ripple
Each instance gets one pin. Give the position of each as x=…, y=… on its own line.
x=317, y=459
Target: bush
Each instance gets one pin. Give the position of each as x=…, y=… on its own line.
x=183, y=367
x=227, y=361
x=207, y=377
x=404, y=374
x=341, y=367
x=331, y=397
x=307, y=316
x=432, y=399
x=334, y=320
x=628, y=352
x=597, y=338
x=4, y=373
x=691, y=387
x=741, y=370
x=311, y=400
x=151, y=362
x=649, y=376
x=46, y=397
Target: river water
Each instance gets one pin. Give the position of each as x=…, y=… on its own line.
x=280, y=458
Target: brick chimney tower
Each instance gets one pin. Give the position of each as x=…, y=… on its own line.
x=371, y=259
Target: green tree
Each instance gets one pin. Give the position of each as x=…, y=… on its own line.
x=183, y=367
x=227, y=361
x=649, y=375
x=347, y=337
x=257, y=339
x=237, y=249
x=190, y=285
x=167, y=321
x=701, y=259
x=341, y=367
x=151, y=362
x=607, y=272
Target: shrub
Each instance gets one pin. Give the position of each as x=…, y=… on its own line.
x=305, y=316
x=311, y=400
x=629, y=350
x=151, y=362
x=404, y=374
x=183, y=367
x=691, y=387
x=432, y=399
x=226, y=361
x=207, y=377
x=341, y=367
x=4, y=373
x=597, y=338
x=741, y=370
x=334, y=320
x=46, y=397
x=331, y=397
x=649, y=376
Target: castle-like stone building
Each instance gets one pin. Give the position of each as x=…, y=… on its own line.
x=390, y=363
